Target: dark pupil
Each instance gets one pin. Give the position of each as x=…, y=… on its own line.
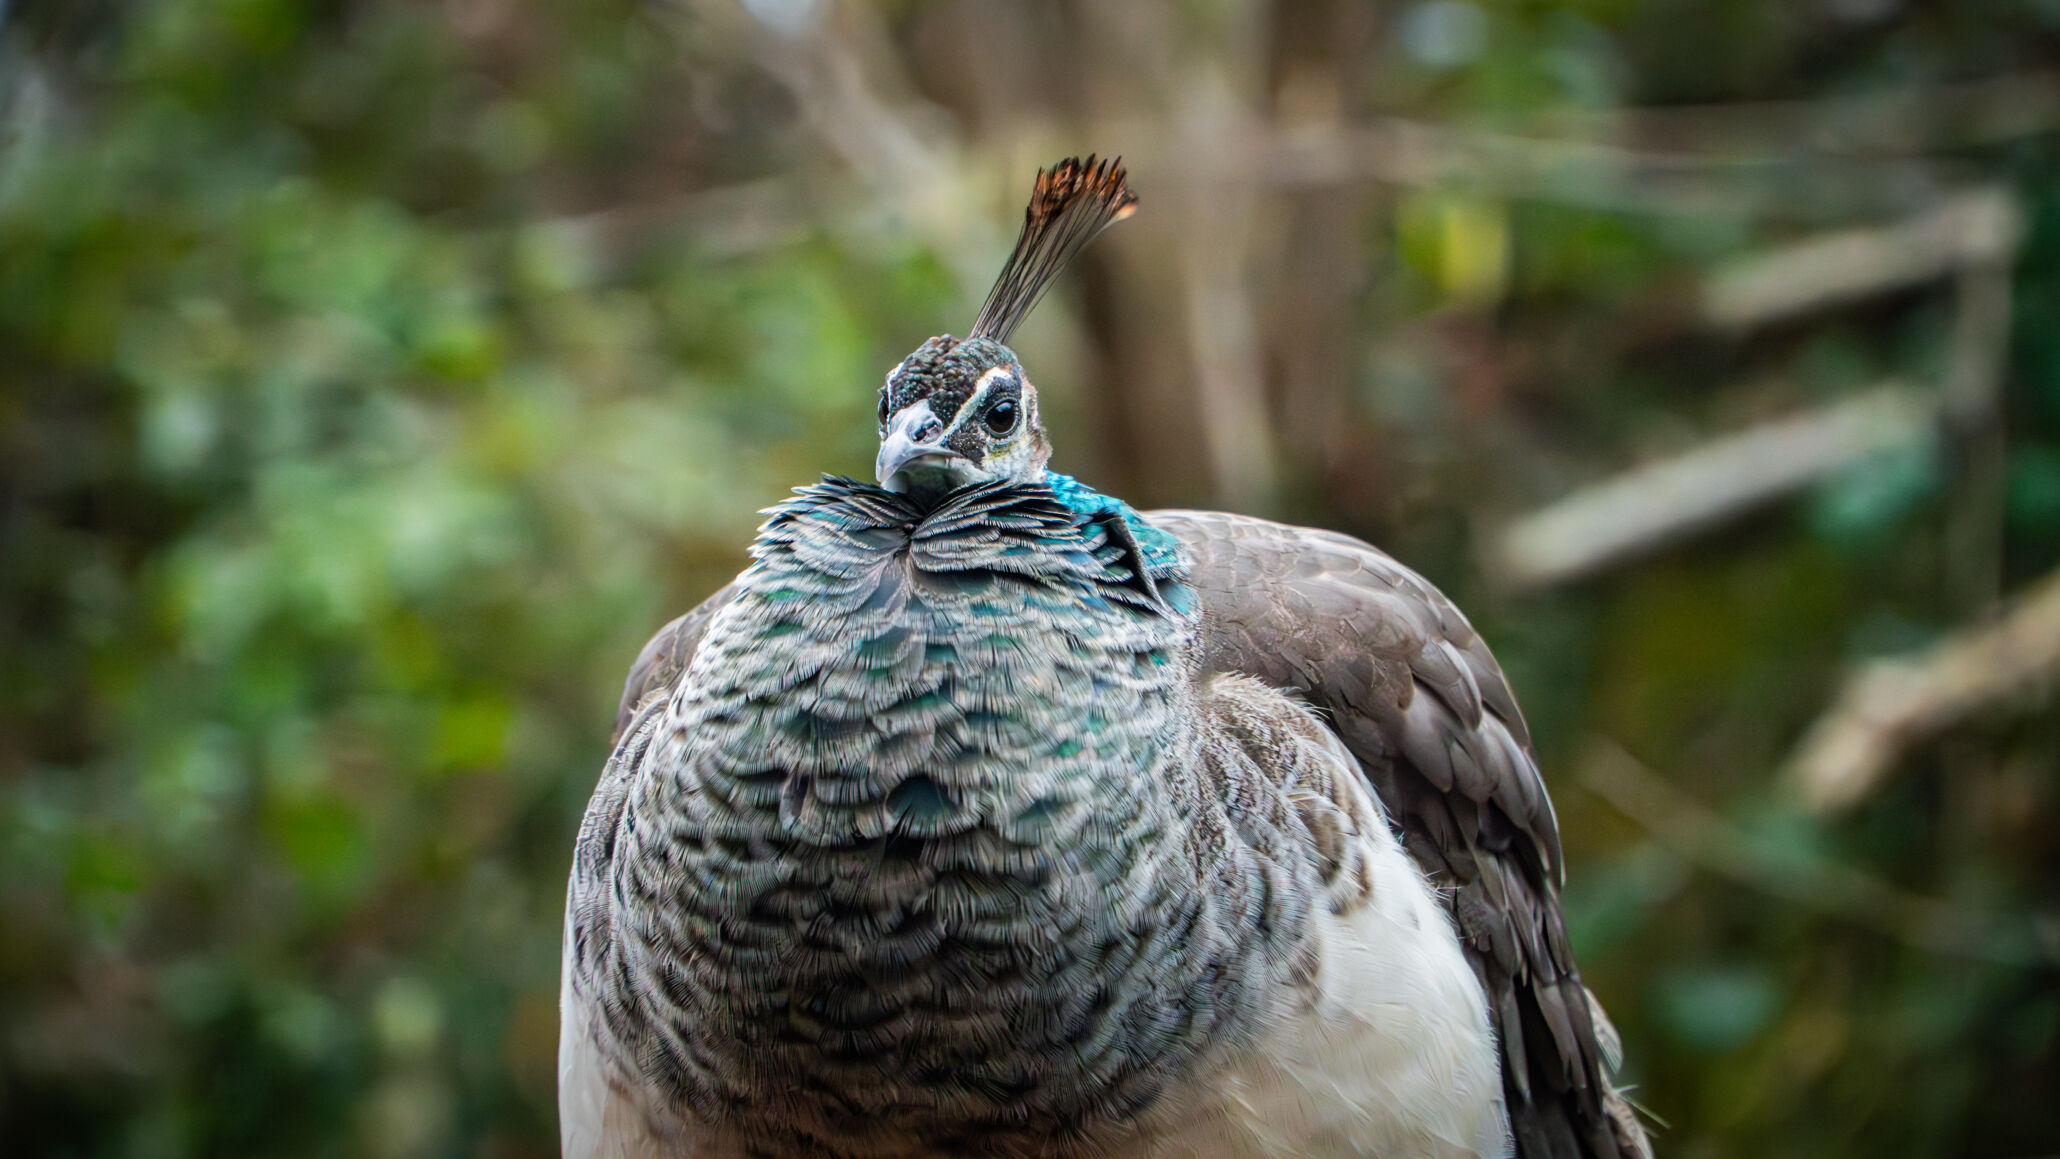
x=1001, y=417
x=883, y=408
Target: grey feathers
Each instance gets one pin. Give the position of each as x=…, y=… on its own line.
x=954, y=830
x=912, y=857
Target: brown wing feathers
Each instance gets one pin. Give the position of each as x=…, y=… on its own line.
x=1419, y=700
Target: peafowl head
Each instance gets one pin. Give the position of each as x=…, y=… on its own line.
x=960, y=411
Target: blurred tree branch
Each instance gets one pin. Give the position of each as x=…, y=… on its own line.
x=842, y=70
x=1709, y=841
x=1889, y=707
x=1651, y=506
x=1590, y=174
x=1894, y=121
x=1973, y=229
x=1972, y=236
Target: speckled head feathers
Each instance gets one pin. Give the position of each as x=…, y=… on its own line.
x=960, y=411
x=945, y=370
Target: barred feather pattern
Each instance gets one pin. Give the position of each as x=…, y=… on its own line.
x=938, y=846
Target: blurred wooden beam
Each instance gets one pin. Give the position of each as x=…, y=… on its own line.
x=1650, y=506
x=1978, y=228
x=1889, y=707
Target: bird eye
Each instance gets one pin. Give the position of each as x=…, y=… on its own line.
x=1001, y=417
x=883, y=408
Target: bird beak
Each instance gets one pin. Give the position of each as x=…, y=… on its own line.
x=915, y=442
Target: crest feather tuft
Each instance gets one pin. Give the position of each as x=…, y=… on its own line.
x=1071, y=203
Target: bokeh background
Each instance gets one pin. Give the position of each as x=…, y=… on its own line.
x=375, y=375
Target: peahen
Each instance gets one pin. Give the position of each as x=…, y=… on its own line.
x=983, y=814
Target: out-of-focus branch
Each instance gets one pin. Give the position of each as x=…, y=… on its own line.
x=1977, y=228
x=1656, y=504
x=841, y=69
x=1592, y=174
x=1895, y=121
x=826, y=56
x=1974, y=417
x=1747, y=157
x=1889, y=707
x=587, y=248
x=1974, y=235
x=1707, y=840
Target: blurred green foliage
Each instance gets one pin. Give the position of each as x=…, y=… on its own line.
x=375, y=375
x=338, y=494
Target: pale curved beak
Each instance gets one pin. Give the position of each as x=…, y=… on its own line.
x=914, y=443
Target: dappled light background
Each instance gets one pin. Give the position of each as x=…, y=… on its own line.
x=375, y=375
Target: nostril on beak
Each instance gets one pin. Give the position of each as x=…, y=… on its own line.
x=928, y=430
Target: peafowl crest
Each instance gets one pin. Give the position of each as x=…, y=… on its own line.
x=983, y=814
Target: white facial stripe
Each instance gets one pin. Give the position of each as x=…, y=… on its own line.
x=971, y=406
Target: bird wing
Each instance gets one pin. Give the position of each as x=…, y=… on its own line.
x=664, y=657
x=599, y=1117
x=1419, y=700
x=596, y=1114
